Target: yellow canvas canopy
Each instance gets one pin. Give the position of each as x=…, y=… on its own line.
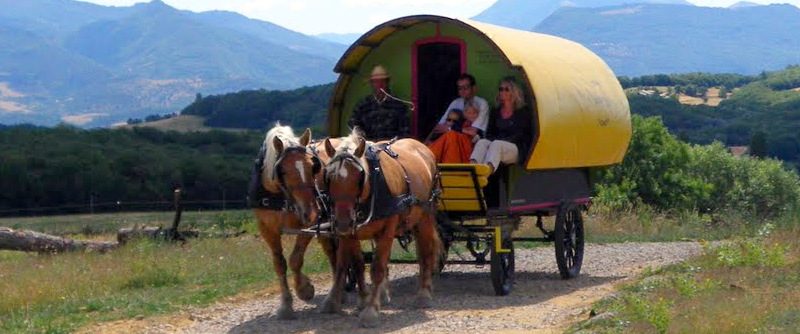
x=580, y=112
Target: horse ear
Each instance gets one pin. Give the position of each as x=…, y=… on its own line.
x=278, y=144
x=362, y=145
x=306, y=137
x=329, y=148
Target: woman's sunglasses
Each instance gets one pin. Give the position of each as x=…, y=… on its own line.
x=504, y=89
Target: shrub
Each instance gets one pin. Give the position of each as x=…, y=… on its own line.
x=670, y=175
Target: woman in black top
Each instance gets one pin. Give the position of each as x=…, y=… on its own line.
x=509, y=132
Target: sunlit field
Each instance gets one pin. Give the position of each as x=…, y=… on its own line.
x=61, y=293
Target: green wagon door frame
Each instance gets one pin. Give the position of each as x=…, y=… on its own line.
x=436, y=64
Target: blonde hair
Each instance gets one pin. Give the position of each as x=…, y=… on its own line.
x=516, y=93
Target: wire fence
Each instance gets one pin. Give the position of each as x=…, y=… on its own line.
x=124, y=206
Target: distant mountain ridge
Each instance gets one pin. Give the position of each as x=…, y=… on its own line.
x=526, y=14
x=649, y=38
x=94, y=65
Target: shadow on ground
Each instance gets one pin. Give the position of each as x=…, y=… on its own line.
x=454, y=290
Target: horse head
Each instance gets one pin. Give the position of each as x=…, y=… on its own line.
x=294, y=171
x=346, y=179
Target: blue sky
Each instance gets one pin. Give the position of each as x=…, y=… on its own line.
x=351, y=16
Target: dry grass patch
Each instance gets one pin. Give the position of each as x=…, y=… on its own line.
x=745, y=285
x=60, y=293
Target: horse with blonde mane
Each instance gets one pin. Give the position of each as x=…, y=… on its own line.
x=285, y=195
x=381, y=191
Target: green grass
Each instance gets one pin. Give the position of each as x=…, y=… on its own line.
x=60, y=293
x=645, y=224
x=744, y=285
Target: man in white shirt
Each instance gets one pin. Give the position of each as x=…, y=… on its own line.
x=467, y=99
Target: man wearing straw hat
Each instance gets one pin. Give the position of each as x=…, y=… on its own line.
x=380, y=115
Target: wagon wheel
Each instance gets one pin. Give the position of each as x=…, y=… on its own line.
x=568, y=236
x=502, y=268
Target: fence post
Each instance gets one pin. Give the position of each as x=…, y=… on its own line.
x=178, y=209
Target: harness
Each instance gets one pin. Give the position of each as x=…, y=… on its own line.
x=379, y=197
x=258, y=197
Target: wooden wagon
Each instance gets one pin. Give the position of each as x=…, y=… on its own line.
x=580, y=113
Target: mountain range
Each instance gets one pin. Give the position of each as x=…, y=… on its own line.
x=664, y=36
x=69, y=61
x=91, y=65
x=526, y=14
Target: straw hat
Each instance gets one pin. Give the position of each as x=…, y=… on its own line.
x=379, y=72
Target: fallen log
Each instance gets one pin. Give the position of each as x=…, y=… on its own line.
x=158, y=233
x=30, y=241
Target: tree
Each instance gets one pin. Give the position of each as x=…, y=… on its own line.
x=758, y=144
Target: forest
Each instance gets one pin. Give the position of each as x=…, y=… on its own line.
x=69, y=170
x=675, y=160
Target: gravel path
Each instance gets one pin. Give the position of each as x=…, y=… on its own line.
x=464, y=300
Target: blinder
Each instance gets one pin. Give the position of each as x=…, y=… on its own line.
x=347, y=157
x=316, y=164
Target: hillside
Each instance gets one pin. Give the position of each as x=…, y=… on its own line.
x=526, y=14
x=91, y=65
x=765, y=106
x=259, y=109
x=643, y=39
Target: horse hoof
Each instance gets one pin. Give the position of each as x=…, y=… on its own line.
x=328, y=306
x=369, y=318
x=423, y=301
x=385, y=297
x=285, y=313
x=306, y=292
x=362, y=303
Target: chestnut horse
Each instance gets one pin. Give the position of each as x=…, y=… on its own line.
x=288, y=176
x=405, y=170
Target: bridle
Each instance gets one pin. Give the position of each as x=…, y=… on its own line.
x=316, y=167
x=340, y=160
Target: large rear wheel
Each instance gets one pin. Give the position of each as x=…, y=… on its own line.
x=568, y=236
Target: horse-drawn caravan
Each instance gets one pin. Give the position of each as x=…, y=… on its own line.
x=580, y=114
x=580, y=119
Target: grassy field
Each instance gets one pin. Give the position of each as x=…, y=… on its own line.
x=744, y=285
x=109, y=223
x=61, y=293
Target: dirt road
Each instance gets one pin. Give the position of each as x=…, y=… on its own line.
x=464, y=301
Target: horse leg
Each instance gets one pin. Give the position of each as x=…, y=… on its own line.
x=302, y=285
x=333, y=302
x=358, y=268
x=369, y=316
x=330, y=251
x=427, y=254
x=386, y=297
x=269, y=227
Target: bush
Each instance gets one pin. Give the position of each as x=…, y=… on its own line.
x=760, y=186
x=670, y=175
x=653, y=171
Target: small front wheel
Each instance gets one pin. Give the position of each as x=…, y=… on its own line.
x=502, y=267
